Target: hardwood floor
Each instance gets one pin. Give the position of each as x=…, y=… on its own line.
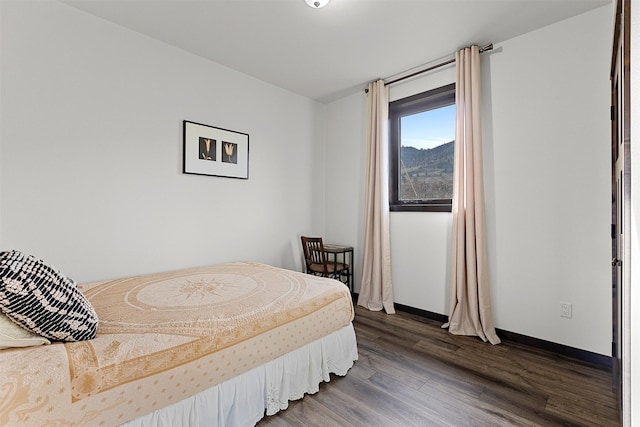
x=411, y=372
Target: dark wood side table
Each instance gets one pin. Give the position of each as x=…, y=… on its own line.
x=338, y=253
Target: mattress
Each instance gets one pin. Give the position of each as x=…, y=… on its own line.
x=166, y=337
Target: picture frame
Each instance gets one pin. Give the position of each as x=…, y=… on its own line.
x=213, y=151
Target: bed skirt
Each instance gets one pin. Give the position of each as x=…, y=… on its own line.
x=244, y=400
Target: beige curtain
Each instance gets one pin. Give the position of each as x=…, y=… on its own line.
x=470, y=304
x=376, y=290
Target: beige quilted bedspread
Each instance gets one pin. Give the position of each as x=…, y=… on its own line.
x=167, y=336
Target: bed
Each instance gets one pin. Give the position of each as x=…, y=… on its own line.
x=221, y=345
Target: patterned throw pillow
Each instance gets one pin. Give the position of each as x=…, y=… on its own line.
x=42, y=300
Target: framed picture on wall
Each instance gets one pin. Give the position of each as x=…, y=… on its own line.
x=213, y=151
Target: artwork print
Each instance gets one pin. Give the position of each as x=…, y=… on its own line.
x=207, y=149
x=214, y=151
x=229, y=152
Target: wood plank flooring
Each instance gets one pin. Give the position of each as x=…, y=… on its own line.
x=411, y=372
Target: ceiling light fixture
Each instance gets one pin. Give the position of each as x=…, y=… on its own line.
x=317, y=4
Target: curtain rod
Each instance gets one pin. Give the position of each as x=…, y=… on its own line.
x=433, y=67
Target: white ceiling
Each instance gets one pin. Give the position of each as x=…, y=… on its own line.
x=328, y=53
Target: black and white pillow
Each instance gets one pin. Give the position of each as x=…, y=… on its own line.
x=44, y=301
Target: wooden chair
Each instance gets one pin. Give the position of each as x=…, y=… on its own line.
x=316, y=259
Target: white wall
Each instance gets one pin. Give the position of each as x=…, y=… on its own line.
x=91, y=140
x=421, y=242
x=546, y=152
x=345, y=157
x=548, y=179
x=0, y=129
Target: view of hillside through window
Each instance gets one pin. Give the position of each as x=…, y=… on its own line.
x=426, y=158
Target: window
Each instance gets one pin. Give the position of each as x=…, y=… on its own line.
x=422, y=134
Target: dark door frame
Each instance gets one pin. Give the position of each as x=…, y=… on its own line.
x=621, y=204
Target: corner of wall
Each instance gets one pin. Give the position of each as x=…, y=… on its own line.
x=1, y=98
x=322, y=176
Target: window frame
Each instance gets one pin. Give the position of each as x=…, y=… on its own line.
x=425, y=101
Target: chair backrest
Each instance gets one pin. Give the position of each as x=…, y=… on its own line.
x=313, y=251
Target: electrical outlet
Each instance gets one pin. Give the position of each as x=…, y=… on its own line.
x=565, y=310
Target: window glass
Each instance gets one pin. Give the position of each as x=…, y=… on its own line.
x=426, y=154
x=422, y=133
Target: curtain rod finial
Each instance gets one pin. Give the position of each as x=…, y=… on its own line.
x=486, y=48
